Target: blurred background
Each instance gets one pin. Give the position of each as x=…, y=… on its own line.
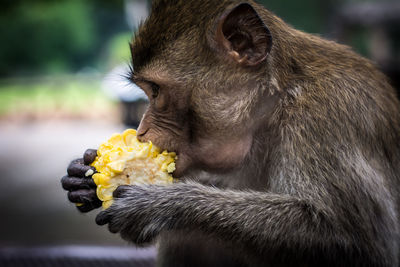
x=62, y=90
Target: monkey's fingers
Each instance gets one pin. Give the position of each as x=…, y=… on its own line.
x=89, y=206
x=89, y=156
x=77, y=169
x=121, y=191
x=76, y=183
x=83, y=196
x=103, y=218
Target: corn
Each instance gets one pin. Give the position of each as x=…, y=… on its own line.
x=123, y=160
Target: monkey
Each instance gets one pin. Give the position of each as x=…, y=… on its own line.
x=288, y=144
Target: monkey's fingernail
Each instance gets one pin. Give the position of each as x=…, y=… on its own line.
x=89, y=156
x=90, y=172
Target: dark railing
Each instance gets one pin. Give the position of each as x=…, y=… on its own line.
x=76, y=256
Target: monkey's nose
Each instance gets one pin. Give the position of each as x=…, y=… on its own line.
x=141, y=133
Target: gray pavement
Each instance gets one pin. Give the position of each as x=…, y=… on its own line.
x=34, y=208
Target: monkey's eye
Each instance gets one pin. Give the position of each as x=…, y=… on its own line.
x=155, y=90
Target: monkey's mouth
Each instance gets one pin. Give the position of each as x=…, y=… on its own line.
x=183, y=160
x=182, y=165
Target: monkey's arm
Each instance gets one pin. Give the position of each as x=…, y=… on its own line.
x=260, y=220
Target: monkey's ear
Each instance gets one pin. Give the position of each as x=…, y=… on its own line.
x=243, y=36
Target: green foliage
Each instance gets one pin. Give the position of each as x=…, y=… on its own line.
x=359, y=41
x=118, y=49
x=44, y=36
x=307, y=15
x=63, y=94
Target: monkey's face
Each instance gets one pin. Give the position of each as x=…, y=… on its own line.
x=203, y=85
x=207, y=130
x=166, y=122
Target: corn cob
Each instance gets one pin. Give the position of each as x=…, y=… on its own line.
x=123, y=160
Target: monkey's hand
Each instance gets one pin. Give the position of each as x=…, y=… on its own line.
x=79, y=183
x=140, y=213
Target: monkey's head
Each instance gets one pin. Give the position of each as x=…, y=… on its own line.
x=203, y=66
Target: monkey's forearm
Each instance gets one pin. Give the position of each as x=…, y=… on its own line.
x=258, y=220
x=261, y=220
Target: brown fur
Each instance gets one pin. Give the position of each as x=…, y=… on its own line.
x=297, y=151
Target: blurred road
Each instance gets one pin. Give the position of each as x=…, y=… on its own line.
x=34, y=208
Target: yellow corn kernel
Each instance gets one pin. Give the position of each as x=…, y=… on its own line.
x=116, y=140
x=123, y=160
x=101, y=179
x=171, y=167
x=129, y=136
x=105, y=192
x=107, y=204
x=117, y=166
